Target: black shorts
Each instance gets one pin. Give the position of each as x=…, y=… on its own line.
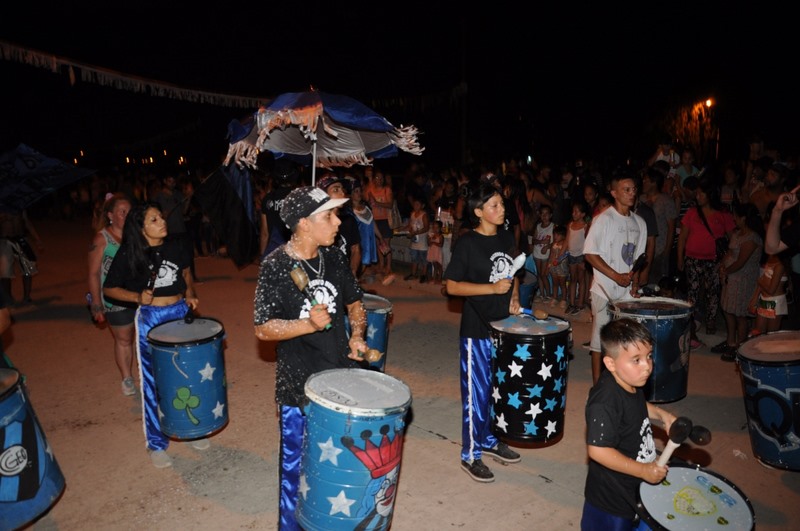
x=121, y=317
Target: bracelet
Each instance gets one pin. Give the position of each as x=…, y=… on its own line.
x=97, y=308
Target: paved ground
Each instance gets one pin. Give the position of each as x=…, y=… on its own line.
x=95, y=432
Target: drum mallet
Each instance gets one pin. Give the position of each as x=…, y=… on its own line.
x=300, y=279
x=680, y=430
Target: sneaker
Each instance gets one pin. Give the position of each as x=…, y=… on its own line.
x=201, y=444
x=502, y=453
x=128, y=388
x=587, y=344
x=478, y=471
x=160, y=459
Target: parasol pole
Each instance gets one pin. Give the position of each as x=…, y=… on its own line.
x=313, y=162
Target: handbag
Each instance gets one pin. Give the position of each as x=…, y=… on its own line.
x=721, y=243
x=395, y=219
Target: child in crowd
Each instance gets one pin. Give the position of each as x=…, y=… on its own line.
x=576, y=237
x=769, y=300
x=619, y=435
x=435, y=241
x=542, y=238
x=557, y=267
x=479, y=272
x=417, y=228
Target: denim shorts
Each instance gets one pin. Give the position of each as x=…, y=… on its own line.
x=575, y=260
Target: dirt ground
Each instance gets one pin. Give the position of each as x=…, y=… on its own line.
x=96, y=434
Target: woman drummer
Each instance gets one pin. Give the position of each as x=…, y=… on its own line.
x=152, y=272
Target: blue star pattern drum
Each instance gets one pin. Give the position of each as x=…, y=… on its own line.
x=770, y=371
x=692, y=498
x=190, y=377
x=379, y=311
x=352, y=450
x=30, y=478
x=529, y=380
x=669, y=321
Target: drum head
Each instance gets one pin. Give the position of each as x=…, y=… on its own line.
x=8, y=380
x=660, y=306
x=777, y=347
x=179, y=332
x=528, y=326
x=358, y=391
x=693, y=498
x=374, y=303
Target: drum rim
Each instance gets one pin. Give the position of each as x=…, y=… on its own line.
x=197, y=341
x=649, y=518
x=372, y=296
x=518, y=334
x=770, y=363
x=355, y=410
x=14, y=386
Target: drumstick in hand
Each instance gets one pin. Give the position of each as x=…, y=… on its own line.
x=300, y=280
x=678, y=432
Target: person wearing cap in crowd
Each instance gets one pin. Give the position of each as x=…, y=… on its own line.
x=308, y=325
x=349, y=237
x=273, y=232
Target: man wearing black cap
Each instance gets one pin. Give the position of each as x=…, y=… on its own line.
x=273, y=232
x=308, y=324
x=349, y=238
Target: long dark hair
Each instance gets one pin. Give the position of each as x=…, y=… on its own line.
x=133, y=239
x=752, y=218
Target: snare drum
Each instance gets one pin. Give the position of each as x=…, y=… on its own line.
x=669, y=322
x=770, y=371
x=189, y=377
x=530, y=375
x=352, y=448
x=30, y=478
x=692, y=498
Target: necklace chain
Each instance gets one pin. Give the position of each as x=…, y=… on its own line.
x=319, y=272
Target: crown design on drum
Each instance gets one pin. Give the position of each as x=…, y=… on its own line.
x=380, y=460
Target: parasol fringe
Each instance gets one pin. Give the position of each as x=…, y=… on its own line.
x=242, y=153
x=407, y=139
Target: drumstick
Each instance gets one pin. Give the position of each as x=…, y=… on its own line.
x=300, y=280
x=678, y=433
x=700, y=435
x=541, y=315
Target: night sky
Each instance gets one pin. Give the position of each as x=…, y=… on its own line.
x=554, y=83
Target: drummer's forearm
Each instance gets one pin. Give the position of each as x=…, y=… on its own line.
x=282, y=329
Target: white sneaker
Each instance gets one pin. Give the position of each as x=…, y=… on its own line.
x=160, y=459
x=201, y=444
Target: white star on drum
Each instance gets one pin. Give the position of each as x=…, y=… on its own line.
x=340, y=504
x=207, y=373
x=329, y=452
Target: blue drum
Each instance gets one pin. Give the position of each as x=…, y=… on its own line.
x=30, y=478
x=770, y=371
x=378, y=312
x=693, y=498
x=352, y=449
x=529, y=373
x=669, y=321
x=190, y=377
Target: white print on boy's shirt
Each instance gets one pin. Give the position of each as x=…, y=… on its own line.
x=324, y=293
x=647, y=449
x=501, y=266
